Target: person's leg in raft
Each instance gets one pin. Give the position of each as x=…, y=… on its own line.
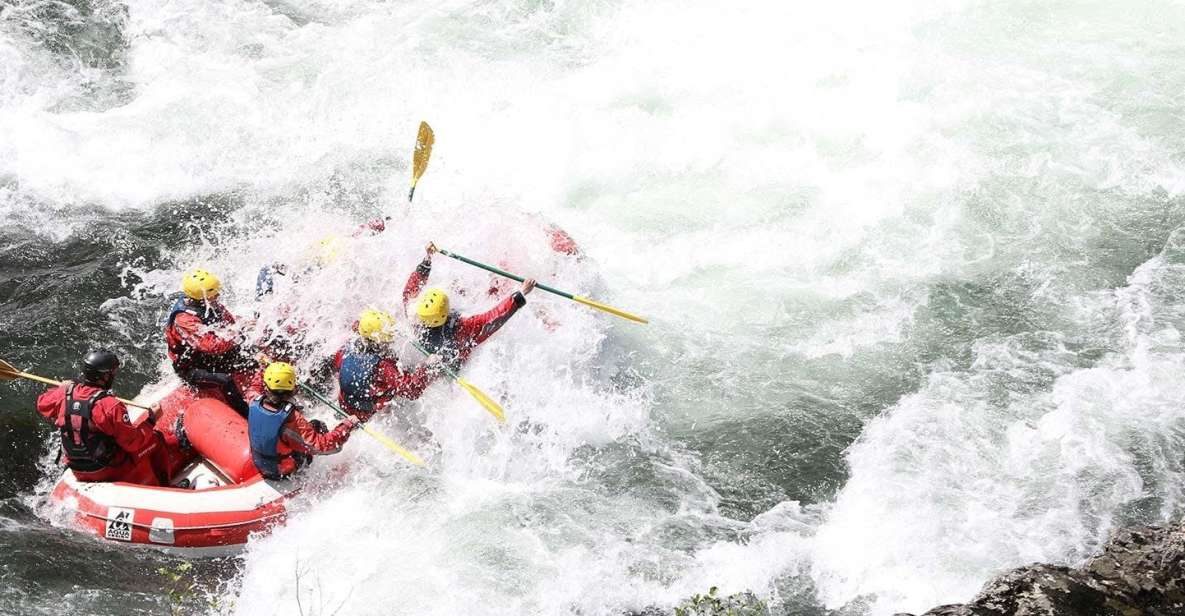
x=137, y=470
x=293, y=463
x=166, y=459
x=142, y=471
x=224, y=383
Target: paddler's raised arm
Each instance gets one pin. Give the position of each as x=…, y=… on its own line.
x=419, y=277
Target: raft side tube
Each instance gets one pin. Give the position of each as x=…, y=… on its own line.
x=219, y=434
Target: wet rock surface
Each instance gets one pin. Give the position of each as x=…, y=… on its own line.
x=1141, y=572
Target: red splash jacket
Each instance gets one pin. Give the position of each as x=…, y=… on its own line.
x=197, y=337
x=129, y=445
x=298, y=436
x=459, y=336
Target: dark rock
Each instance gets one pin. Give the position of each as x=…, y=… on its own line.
x=1140, y=572
x=648, y=611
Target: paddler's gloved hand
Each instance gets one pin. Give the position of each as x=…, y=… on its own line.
x=433, y=363
x=351, y=421
x=265, y=280
x=424, y=269
x=528, y=286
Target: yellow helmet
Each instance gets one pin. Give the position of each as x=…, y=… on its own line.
x=328, y=250
x=280, y=376
x=376, y=325
x=200, y=284
x=432, y=308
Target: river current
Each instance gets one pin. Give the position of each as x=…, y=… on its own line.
x=915, y=273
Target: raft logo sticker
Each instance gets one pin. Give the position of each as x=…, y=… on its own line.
x=119, y=523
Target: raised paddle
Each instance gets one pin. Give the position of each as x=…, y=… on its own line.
x=8, y=373
x=378, y=436
x=576, y=298
x=424, y=140
x=477, y=394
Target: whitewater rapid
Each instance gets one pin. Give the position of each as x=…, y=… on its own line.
x=913, y=273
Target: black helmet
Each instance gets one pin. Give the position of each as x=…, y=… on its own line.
x=98, y=367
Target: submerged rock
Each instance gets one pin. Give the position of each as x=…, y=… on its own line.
x=1141, y=572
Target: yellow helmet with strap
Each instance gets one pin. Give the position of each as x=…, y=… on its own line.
x=280, y=376
x=376, y=326
x=200, y=284
x=432, y=308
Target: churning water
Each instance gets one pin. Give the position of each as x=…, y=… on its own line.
x=915, y=273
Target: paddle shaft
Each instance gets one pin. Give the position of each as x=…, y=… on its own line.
x=490, y=268
x=380, y=437
x=576, y=298
x=41, y=379
x=316, y=394
x=449, y=371
x=485, y=401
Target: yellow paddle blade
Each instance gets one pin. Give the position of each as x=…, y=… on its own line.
x=392, y=445
x=610, y=309
x=483, y=399
x=424, y=141
x=8, y=372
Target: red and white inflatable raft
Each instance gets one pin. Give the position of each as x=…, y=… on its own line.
x=215, y=499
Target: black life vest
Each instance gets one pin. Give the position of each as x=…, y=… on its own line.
x=187, y=358
x=86, y=448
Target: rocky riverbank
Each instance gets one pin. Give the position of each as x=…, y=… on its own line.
x=1141, y=572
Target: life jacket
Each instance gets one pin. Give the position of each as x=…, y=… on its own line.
x=263, y=430
x=186, y=358
x=357, y=376
x=442, y=340
x=86, y=448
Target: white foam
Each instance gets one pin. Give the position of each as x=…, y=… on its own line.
x=780, y=187
x=971, y=476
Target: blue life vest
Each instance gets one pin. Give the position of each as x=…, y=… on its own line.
x=194, y=307
x=263, y=429
x=265, y=282
x=356, y=377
